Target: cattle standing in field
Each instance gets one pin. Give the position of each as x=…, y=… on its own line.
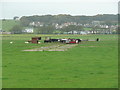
x=47, y=41
x=79, y=40
x=72, y=41
x=51, y=40
x=54, y=40
x=63, y=40
x=67, y=41
x=97, y=39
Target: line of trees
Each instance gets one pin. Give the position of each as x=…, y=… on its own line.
x=44, y=30
x=18, y=29
x=53, y=30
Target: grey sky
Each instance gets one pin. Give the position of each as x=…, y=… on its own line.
x=43, y=7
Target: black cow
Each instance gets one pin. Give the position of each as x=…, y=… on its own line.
x=39, y=38
x=54, y=40
x=79, y=40
x=97, y=39
x=51, y=40
x=63, y=40
x=47, y=41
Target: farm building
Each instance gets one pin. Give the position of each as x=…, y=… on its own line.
x=78, y=32
x=28, y=30
x=3, y=32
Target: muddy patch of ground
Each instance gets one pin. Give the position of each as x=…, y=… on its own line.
x=54, y=48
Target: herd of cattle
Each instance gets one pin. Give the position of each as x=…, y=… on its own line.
x=67, y=41
x=49, y=40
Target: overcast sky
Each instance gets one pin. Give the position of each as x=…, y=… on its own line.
x=11, y=8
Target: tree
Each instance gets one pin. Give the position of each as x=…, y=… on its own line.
x=57, y=32
x=17, y=29
x=72, y=28
x=94, y=29
x=24, y=21
x=15, y=18
x=45, y=30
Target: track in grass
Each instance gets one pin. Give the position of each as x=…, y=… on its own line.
x=54, y=48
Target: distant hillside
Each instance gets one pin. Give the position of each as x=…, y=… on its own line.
x=109, y=19
x=8, y=24
x=62, y=18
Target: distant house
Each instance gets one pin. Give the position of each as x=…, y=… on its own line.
x=28, y=30
x=2, y=31
x=84, y=32
x=36, y=24
x=96, y=23
x=73, y=32
x=5, y=32
x=78, y=32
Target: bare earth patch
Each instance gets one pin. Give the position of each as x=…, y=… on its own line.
x=54, y=48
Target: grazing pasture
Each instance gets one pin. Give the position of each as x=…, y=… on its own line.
x=7, y=25
x=90, y=64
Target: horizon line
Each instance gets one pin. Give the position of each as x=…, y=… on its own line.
x=56, y=15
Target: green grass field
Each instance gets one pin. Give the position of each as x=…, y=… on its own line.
x=8, y=24
x=88, y=65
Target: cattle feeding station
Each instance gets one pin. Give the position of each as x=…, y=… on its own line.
x=64, y=44
x=64, y=40
x=34, y=40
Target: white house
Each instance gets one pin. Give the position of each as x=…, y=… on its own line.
x=28, y=30
x=79, y=32
x=73, y=32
